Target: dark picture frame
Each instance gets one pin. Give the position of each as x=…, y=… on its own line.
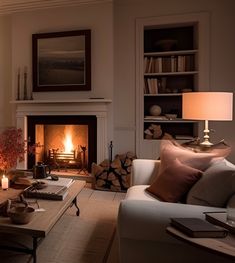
x=62, y=61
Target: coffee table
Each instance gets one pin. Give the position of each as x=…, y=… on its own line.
x=43, y=221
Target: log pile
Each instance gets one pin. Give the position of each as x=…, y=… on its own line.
x=115, y=175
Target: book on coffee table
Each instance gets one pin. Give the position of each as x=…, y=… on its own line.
x=197, y=227
x=50, y=192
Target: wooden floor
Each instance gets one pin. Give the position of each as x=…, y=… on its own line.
x=88, y=238
x=74, y=174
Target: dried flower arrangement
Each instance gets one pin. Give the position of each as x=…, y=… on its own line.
x=12, y=148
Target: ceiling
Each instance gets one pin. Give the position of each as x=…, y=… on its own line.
x=14, y=6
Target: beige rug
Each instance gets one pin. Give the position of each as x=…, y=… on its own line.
x=84, y=239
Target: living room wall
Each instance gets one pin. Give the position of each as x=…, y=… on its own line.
x=97, y=17
x=113, y=55
x=5, y=71
x=222, y=58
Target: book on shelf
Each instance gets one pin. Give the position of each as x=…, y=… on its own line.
x=166, y=64
x=158, y=64
x=181, y=63
x=173, y=64
x=197, y=227
x=149, y=70
x=152, y=85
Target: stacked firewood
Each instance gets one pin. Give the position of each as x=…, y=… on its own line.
x=114, y=175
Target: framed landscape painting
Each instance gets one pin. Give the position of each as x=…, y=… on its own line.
x=62, y=61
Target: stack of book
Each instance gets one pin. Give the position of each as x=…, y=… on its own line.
x=49, y=189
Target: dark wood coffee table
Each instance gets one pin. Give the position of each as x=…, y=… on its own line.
x=43, y=221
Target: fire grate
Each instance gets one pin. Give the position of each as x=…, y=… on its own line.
x=63, y=160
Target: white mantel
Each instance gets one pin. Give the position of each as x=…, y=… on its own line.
x=96, y=107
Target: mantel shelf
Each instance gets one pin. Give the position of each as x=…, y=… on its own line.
x=95, y=100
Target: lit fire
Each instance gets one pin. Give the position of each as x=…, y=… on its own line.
x=68, y=144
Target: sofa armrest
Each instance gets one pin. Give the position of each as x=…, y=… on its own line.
x=144, y=171
x=145, y=220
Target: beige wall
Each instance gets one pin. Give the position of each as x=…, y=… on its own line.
x=222, y=58
x=5, y=71
x=114, y=24
x=97, y=17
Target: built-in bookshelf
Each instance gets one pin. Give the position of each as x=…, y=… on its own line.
x=169, y=64
x=170, y=68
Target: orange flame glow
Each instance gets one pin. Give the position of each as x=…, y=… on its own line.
x=68, y=143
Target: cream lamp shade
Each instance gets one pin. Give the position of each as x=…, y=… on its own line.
x=207, y=106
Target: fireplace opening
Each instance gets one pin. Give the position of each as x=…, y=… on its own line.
x=63, y=142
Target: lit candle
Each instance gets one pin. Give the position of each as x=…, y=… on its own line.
x=5, y=183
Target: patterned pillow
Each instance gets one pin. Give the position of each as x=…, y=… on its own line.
x=174, y=182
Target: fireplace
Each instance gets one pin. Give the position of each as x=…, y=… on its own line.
x=34, y=115
x=63, y=142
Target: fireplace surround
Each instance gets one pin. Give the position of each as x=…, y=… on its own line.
x=76, y=110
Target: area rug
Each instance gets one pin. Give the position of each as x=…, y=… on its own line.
x=84, y=239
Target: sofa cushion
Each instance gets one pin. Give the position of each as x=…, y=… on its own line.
x=137, y=192
x=174, y=181
x=170, y=150
x=215, y=187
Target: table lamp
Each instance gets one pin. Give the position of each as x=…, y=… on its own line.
x=207, y=106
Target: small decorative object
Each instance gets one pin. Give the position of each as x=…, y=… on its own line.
x=166, y=44
x=153, y=132
x=171, y=116
x=18, y=85
x=41, y=171
x=148, y=134
x=155, y=110
x=21, y=214
x=5, y=182
x=25, y=84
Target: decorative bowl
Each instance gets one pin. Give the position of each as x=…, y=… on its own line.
x=166, y=44
x=171, y=116
x=21, y=215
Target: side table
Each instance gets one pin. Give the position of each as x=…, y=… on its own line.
x=223, y=246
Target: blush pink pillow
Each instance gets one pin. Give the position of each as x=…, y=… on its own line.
x=174, y=182
x=170, y=150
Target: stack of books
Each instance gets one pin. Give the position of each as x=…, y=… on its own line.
x=49, y=189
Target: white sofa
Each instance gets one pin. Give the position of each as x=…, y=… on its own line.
x=142, y=222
